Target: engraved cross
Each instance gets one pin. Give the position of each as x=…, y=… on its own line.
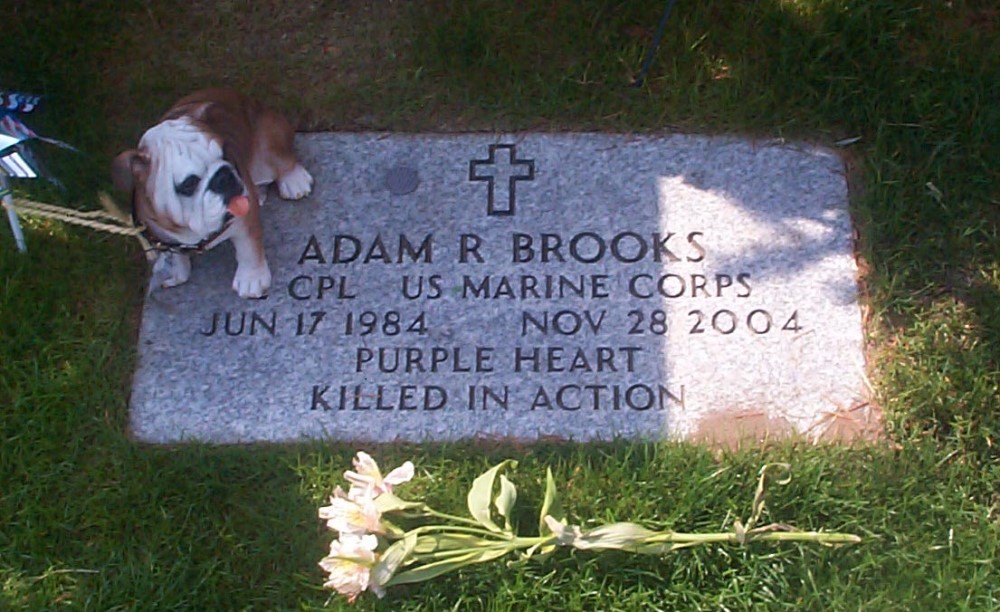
x=502, y=177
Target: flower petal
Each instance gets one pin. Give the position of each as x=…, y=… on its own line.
x=403, y=473
x=365, y=465
x=361, y=493
x=360, y=480
x=350, y=517
x=349, y=564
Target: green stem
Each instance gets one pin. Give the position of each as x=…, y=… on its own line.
x=458, y=529
x=529, y=542
x=442, y=555
x=806, y=536
x=509, y=546
x=770, y=536
x=427, y=510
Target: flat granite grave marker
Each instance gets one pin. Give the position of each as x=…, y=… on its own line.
x=582, y=286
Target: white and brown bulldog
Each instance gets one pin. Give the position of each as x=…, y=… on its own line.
x=194, y=182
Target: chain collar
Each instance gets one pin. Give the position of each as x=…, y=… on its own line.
x=166, y=246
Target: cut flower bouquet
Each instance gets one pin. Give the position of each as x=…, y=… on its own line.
x=372, y=552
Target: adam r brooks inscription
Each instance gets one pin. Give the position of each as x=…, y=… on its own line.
x=580, y=286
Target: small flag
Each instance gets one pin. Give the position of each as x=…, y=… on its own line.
x=12, y=128
x=18, y=102
x=15, y=159
x=17, y=162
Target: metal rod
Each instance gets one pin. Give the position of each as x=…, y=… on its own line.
x=15, y=224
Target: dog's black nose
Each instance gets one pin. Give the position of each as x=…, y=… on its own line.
x=225, y=183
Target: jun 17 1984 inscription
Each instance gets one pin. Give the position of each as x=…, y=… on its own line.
x=577, y=286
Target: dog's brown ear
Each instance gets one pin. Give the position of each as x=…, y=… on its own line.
x=128, y=166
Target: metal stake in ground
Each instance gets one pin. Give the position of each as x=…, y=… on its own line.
x=15, y=224
x=641, y=77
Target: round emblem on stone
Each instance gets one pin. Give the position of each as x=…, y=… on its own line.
x=401, y=180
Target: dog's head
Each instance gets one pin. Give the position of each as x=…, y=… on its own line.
x=180, y=180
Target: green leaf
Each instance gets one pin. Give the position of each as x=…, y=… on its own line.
x=391, y=530
x=767, y=470
x=387, y=502
x=482, y=491
x=432, y=570
x=550, y=505
x=437, y=542
x=505, y=500
x=539, y=551
x=392, y=558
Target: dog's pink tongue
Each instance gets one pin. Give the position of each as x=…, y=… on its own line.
x=239, y=206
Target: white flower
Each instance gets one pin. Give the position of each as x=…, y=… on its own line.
x=366, y=475
x=352, y=515
x=349, y=566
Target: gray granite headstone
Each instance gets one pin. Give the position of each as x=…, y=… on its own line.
x=582, y=286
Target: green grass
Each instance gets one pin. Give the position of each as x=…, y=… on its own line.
x=89, y=519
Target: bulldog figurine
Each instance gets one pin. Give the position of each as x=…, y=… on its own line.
x=194, y=182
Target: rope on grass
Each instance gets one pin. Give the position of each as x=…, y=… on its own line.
x=96, y=219
x=111, y=220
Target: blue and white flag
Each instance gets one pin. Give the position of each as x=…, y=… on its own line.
x=15, y=159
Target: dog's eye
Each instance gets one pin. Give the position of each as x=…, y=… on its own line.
x=188, y=187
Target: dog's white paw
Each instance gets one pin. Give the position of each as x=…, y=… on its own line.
x=252, y=281
x=295, y=184
x=172, y=269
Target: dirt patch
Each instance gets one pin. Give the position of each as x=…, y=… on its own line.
x=737, y=429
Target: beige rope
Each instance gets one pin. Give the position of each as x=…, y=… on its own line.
x=111, y=219
x=76, y=217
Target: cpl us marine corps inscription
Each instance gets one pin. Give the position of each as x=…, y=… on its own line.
x=580, y=286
